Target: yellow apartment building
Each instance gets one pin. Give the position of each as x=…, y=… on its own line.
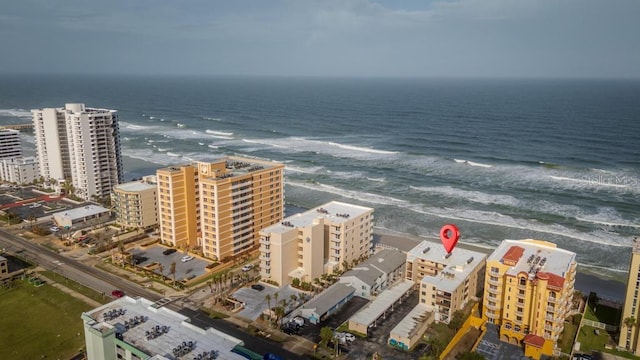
x=135, y=203
x=178, y=205
x=629, y=338
x=238, y=197
x=528, y=293
x=219, y=206
x=318, y=241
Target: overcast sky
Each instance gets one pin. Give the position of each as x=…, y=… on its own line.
x=412, y=38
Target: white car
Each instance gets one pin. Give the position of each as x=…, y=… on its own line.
x=54, y=229
x=186, y=258
x=349, y=337
x=247, y=267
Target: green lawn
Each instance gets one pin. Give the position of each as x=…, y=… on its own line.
x=90, y=293
x=603, y=314
x=566, y=338
x=39, y=323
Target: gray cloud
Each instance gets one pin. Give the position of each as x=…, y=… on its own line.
x=513, y=38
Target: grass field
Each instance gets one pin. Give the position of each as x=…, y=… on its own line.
x=39, y=323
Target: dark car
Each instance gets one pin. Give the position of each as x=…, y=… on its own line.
x=169, y=251
x=117, y=293
x=290, y=329
x=257, y=287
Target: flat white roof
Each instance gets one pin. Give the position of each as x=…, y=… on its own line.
x=179, y=330
x=337, y=212
x=82, y=212
x=432, y=251
x=456, y=272
x=407, y=326
x=543, y=255
x=382, y=303
x=135, y=186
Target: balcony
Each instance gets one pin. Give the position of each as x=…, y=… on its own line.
x=491, y=315
x=265, y=257
x=495, y=282
x=552, y=300
x=335, y=247
x=493, y=307
x=265, y=240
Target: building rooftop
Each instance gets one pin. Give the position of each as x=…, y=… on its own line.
x=135, y=186
x=534, y=257
x=158, y=331
x=334, y=211
x=407, y=327
x=457, y=270
x=432, y=251
x=329, y=298
x=83, y=211
x=394, y=242
x=366, y=274
x=373, y=310
x=386, y=260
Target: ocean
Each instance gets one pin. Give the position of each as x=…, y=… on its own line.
x=557, y=160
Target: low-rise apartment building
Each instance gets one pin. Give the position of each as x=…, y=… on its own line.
x=375, y=274
x=135, y=203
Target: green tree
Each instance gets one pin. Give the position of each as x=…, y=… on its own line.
x=456, y=321
x=172, y=271
x=268, y=298
x=629, y=322
x=326, y=334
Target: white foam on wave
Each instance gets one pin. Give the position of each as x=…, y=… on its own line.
x=173, y=154
x=606, y=268
x=152, y=117
x=590, y=182
x=363, y=149
x=129, y=126
x=303, y=170
x=221, y=133
x=211, y=146
x=211, y=118
x=302, y=144
x=469, y=195
x=164, y=149
x=474, y=216
x=472, y=163
x=380, y=180
x=19, y=113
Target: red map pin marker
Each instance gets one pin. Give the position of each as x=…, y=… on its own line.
x=449, y=235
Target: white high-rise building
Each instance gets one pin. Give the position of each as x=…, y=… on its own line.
x=80, y=145
x=10, y=144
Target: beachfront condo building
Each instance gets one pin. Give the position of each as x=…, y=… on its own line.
x=135, y=203
x=528, y=293
x=447, y=281
x=10, y=144
x=220, y=206
x=80, y=145
x=318, y=241
x=629, y=334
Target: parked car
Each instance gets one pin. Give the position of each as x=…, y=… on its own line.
x=169, y=251
x=54, y=229
x=117, y=293
x=290, y=328
x=247, y=267
x=257, y=287
x=186, y=258
x=349, y=337
x=298, y=320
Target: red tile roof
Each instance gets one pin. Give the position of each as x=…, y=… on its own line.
x=512, y=255
x=555, y=282
x=534, y=340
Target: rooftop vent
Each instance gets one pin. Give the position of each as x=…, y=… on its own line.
x=426, y=250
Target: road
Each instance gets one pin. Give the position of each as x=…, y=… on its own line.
x=72, y=269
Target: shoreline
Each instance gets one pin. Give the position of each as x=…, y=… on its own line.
x=610, y=286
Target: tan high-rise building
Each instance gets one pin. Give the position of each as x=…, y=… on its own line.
x=220, y=206
x=318, y=241
x=135, y=203
x=528, y=293
x=629, y=333
x=178, y=205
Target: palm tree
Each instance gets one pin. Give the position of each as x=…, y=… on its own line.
x=629, y=322
x=268, y=298
x=161, y=268
x=172, y=271
x=326, y=334
x=275, y=296
x=293, y=298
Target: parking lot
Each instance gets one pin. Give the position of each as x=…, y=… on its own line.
x=184, y=270
x=255, y=302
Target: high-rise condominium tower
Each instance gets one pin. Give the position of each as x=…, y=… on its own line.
x=80, y=145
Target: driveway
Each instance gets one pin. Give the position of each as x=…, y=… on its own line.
x=255, y=302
